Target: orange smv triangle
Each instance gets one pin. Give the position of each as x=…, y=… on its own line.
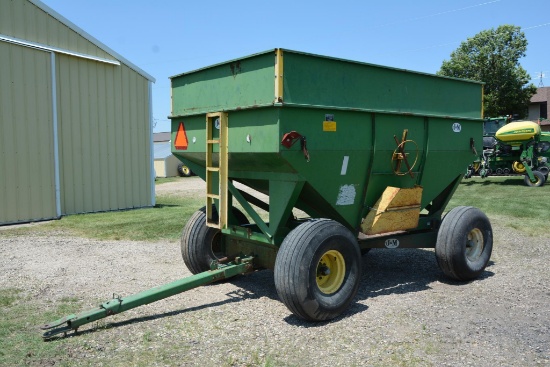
x=181, y=138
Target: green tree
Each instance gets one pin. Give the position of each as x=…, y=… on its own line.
x=492, y=56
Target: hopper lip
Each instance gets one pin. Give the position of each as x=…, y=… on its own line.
x=324, y=57
x=224, y=63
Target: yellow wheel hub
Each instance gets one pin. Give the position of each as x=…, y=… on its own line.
x=518, y=167
x=330, y=271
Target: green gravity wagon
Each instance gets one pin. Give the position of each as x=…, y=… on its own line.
x=311, y=161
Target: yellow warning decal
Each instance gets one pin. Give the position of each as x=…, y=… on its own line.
x=329, y=125
x=181, y=142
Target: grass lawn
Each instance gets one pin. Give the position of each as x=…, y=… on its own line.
x=508, y=200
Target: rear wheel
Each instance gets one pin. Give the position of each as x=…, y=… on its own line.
x=200, y=244
x=318, y=269
x=539, y=179
x=184, y=171
x=464, y=243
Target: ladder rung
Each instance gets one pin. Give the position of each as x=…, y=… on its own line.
x=213, y=225
x=213, y=169
x=213, y=196
x=214, y=141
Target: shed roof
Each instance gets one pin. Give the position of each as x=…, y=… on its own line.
x=158, y=137
x=162, y=150
x=90, y=38
x=542, y=95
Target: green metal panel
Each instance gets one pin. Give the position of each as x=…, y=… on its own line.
x=322, y=81
x=244, y=83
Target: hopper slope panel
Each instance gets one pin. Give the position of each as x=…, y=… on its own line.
x=339, y=156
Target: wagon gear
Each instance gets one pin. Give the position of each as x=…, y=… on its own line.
x=354, y=199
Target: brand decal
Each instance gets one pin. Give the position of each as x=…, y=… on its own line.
x=520, y=131
x=391, y=243
x=217, y=123
x=457, y=127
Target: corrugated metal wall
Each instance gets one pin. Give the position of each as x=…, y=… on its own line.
x=27, y=187
x=22, y=19
x=103, y=123
x=104, y=136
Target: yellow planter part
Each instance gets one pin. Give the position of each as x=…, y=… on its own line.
x=518, y=131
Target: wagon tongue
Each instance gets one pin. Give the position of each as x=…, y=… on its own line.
x=58, y=326
x=118, y=304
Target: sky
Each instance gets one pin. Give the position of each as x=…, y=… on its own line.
x=169, y=37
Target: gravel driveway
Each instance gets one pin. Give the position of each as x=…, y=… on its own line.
x=406, y=312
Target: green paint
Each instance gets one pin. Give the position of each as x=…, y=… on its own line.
x=350, y=156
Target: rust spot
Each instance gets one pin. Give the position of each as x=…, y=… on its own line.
x=235, y=68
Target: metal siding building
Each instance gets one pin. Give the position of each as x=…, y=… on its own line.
x=75, y=120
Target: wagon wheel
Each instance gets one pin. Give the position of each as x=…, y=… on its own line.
x=400, y=156
x=318, y=269
x=464, y=243
x=200, y=244
x=539, y=179
x=184, y=171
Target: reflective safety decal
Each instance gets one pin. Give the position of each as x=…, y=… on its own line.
x=181, y=142
x=344, y=166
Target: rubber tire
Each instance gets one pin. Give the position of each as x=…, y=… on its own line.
x=184, y=172
x=452, y=239
x=296, y=268
x=198, y=240
x=540, y=179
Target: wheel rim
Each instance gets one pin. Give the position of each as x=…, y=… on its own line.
x=185, y=170
x=330, y=271
x=474, y=244
x=518, y=167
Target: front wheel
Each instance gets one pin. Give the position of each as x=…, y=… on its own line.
x=318, y=269
x=539, y=179
x=464, y=243
x=200, y=244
